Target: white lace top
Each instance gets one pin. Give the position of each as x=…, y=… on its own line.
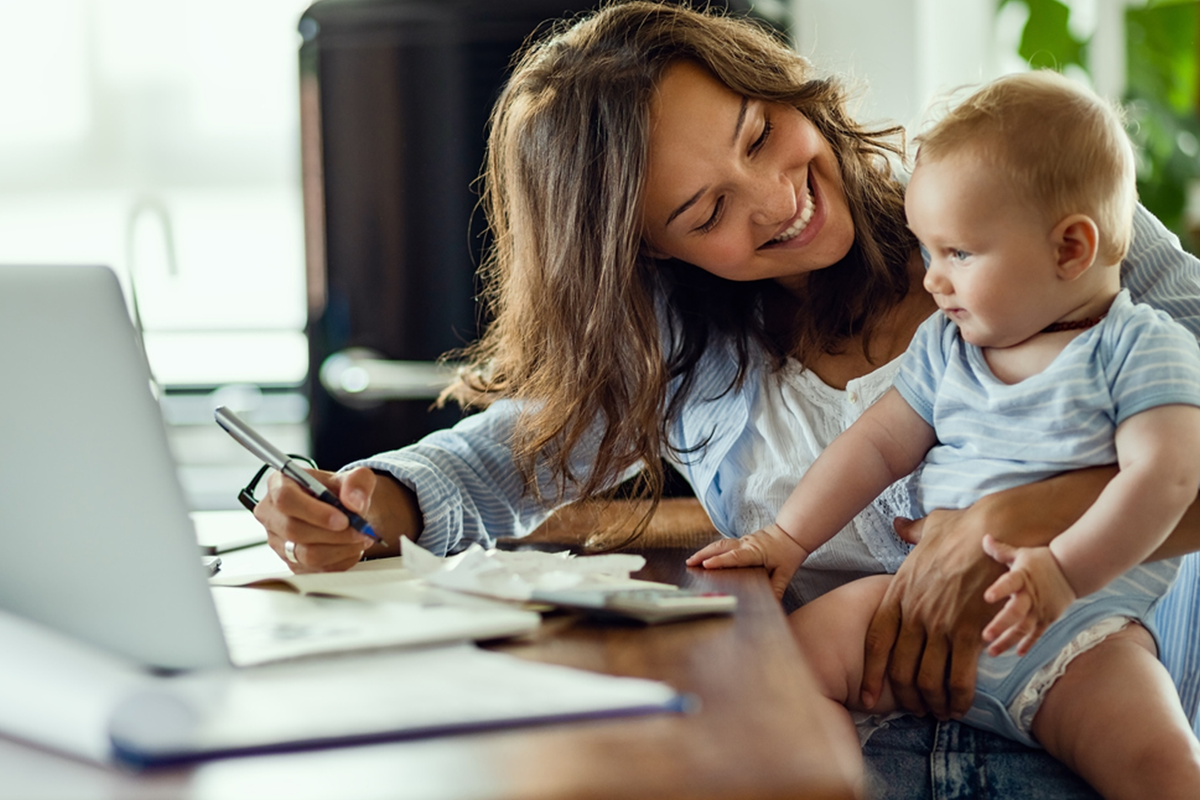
x=794, y=417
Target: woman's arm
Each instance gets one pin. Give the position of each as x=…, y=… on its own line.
x=1184, y=539
x=454, y=487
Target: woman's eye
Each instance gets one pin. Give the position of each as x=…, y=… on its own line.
x=715, y=218
x=762, y=137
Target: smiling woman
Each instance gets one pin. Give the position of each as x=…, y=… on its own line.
x=659, y=289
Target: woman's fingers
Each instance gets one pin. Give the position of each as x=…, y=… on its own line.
x=965, y=648
x=905, y=667
x=356, y=488
x=932, y=676
x=311, y=535
x=881, y=636
x=910, y=530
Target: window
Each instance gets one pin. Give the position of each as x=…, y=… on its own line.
x=161, y=139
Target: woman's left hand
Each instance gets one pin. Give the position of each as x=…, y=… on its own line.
x=926, y=636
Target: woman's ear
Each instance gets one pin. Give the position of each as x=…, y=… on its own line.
x=1076, y=241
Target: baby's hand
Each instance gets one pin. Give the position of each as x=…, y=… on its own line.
x=770, y=547
x=1037, y=593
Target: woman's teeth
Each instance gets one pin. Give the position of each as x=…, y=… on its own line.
x=801, y=222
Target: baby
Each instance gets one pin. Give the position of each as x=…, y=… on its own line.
x=1023, y=198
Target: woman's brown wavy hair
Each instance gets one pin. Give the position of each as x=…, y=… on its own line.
x=574, y=296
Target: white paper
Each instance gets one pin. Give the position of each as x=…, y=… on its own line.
x=416, y=574
x=517, y=575
x=362, y=574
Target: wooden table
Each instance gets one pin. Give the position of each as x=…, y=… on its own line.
x=756, y=734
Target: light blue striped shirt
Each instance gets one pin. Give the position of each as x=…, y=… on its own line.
x=992, y=435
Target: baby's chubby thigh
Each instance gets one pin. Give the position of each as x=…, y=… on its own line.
x=832, y=633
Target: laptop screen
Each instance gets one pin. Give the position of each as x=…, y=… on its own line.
x=98, y=542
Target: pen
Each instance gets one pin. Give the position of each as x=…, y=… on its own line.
x=253, y=441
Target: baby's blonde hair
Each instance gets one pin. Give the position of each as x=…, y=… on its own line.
x=1057, y=143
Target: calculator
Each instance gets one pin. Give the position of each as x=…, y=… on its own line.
x=650, y=606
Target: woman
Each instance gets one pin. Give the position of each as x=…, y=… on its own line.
x=698, y=254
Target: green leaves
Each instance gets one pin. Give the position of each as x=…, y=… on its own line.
x=1161, y=101
x=1161, y=91
x=1047, y=41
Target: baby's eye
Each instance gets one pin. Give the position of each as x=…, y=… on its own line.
x=959, y=255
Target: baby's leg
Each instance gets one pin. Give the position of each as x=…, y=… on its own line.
x=832, y=632
x=1114, y=718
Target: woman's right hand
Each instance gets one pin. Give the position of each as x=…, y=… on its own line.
x=320, y=536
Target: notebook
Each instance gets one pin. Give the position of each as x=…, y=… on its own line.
x=99, y=547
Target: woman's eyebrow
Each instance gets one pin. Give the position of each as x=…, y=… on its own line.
x=741, y=120
x=737, y=130
x=691, y=201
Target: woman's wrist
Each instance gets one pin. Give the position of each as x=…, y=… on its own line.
x=1033, y=514
x=394, y=514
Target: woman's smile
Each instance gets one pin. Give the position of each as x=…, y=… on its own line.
x=802, y=228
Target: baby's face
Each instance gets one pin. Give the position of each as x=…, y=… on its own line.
x=993, y=262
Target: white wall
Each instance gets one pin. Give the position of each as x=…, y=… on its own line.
x=906, y=51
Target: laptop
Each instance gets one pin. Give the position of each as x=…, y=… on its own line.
x=99, y=541
x=99, y=549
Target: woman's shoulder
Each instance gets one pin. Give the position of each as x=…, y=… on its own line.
x=1155, y=254
x=1138, y=336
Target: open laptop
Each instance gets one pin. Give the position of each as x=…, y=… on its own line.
x=98, y=541
x=99, y=552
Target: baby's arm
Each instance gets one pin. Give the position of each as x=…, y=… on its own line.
x=1158, y=452
x=884, y=445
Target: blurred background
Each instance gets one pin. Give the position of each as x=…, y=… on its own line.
x=284, y=189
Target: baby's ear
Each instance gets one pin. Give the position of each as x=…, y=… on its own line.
x=1076, y=240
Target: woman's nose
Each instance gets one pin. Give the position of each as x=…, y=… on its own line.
x=776, y=201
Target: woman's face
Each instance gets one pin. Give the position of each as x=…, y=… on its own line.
x=742, y=188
